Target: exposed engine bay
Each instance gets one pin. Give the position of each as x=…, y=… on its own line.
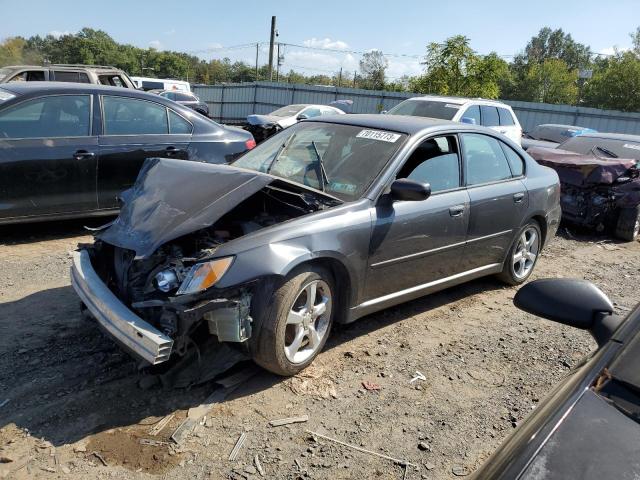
x=150, y=286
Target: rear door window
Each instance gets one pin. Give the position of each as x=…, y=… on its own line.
x=65, y=76
x=506, y=119
x=132, y=116
x=52, y=116
x=113, y=80
x=484, y=160
x=490, y=117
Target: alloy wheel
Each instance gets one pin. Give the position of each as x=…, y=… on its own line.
x=308, y=322
x=526, y=252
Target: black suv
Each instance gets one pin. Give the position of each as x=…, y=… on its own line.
x=70, y=149
x=96, y=74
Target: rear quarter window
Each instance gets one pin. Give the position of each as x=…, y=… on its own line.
x=506, y=119
x=490, y=116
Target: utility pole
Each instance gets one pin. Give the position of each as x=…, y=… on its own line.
x=257, y=50
x=278, y=62
x=355, y=76
x=271, y=42
x=340, y=78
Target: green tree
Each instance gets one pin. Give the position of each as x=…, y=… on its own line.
x=454, y=68
x=549, y=44
x=373, y=66
x=615, y=84
x=550, y=81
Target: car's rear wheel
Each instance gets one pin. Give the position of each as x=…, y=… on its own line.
x=628, y=226
x=523, y=255
x=295, y=324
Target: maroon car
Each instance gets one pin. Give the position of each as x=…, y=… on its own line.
x=599, y=176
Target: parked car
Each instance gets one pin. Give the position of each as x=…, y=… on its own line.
x=600, y=181
x=551, y=135
x=474, y=111
x=263, y=126
x=96, y=74
x=187, y=99
x=588, y=427
x=327, y=221
x=160, y=84
x=69, y=149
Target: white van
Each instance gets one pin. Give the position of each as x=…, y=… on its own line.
x=148, y=83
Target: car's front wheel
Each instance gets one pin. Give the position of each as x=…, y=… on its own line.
x=295, y=323
x=523, y=255
x=628, y=226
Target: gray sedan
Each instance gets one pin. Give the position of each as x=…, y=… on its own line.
x=327, y=221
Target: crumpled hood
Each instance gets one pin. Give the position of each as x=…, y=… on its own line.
x=579, y=169
x=262, y=119
x=172, y=198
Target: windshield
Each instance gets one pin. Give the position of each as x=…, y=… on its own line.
x=426, y=108
x=288, y=111
x=603, y=147
x=342, y=160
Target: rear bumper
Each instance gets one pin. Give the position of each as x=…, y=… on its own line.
x=137, y=336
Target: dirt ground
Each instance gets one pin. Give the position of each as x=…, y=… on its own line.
x=70, y=406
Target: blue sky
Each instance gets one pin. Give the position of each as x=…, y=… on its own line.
x=393, y=27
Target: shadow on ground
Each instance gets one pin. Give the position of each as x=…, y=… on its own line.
x=64, y=380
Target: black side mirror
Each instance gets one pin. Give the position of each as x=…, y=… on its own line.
x=302, y=116
x=576, y=303
x=410, y=190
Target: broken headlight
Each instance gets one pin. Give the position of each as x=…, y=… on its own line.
x=204, y=275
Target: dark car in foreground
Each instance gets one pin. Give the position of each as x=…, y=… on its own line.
x=599, y=173
x=327, y=221
x=588, y=427
x=70, y=149
x=187, y=99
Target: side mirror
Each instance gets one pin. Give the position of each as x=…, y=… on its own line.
x=576, y=303
x=302, y=116
x=469, y=120
x=410, y=190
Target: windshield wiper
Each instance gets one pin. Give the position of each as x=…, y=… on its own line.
x=606, y=151
x=280, y=151
x=324, y=179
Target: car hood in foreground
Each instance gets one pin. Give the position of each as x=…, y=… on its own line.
x=172, y=198
x=580, y=169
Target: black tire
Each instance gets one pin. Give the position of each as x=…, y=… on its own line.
x=509, y=275
x=628, y=226
x=273, y=332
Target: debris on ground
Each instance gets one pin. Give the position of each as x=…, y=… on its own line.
x=370, y=386
x=258, y=464
x=236, y=449
x=417, y=376
x=289, y=420
x=158, y=427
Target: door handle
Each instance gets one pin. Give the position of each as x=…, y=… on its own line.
x=171, y=150
x=82, y=154
x=518, y=197
x=456, y=210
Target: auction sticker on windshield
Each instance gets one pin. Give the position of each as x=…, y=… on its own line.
x=379, y=135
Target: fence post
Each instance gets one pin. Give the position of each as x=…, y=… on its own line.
x=221, y=103
x=255, y=96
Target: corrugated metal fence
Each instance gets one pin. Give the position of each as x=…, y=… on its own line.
x=231, y=103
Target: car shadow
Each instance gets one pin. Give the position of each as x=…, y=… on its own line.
x=62, y=379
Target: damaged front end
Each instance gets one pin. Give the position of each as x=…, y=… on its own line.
x=263, y=126
x=150, y=277
x=593, y=189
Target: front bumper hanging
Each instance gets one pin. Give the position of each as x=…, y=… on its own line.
x=136, y=335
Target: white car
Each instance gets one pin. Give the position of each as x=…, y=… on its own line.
x=263, y=126
x=476, y=111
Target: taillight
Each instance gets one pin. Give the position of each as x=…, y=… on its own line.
x=251, y=143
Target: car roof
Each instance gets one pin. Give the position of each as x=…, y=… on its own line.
x=96, y=68
x=459, y=100
x=26, y=88
x=611, y=136
x=397, y=123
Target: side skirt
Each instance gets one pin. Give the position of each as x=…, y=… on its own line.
x=386, y=301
